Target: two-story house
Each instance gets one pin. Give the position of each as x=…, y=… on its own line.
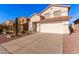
x=9, y=25
x=53, y=19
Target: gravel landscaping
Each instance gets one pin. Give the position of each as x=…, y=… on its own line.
x=9, y=37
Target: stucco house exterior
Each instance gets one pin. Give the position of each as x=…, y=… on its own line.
x=9, y=25
x=34, y=18
x=53, y=19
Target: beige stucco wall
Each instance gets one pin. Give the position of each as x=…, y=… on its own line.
x=38, y=27
x=51, y=10
x=34, y=18
x=66, y=27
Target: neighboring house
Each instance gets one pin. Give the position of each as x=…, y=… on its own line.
x=9, y=25
x=55, y=20
x=23, y=24
x=75, y=26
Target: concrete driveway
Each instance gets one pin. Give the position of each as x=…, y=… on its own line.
x=36, y=43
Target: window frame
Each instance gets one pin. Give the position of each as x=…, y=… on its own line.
x=58, y=13
x=47, y=14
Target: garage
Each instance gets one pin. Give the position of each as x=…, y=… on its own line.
x=50, y=27
x=59, y=25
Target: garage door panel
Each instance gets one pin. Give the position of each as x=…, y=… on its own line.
x=51, y=27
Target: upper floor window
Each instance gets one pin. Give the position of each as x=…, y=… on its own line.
x=57, y=13
x=51, y=8
x=47, y=14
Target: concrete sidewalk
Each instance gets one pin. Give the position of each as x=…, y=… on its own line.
x=36, y=43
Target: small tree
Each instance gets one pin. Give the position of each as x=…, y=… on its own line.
x=1, y=28
x=16, y=22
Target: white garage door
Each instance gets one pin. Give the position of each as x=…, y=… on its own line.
x=50, y=27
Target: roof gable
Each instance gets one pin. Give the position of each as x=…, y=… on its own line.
x=55, y=5
x=32, y=15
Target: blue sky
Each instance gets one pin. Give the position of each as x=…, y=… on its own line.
x=11, y=11
x=74, y=12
